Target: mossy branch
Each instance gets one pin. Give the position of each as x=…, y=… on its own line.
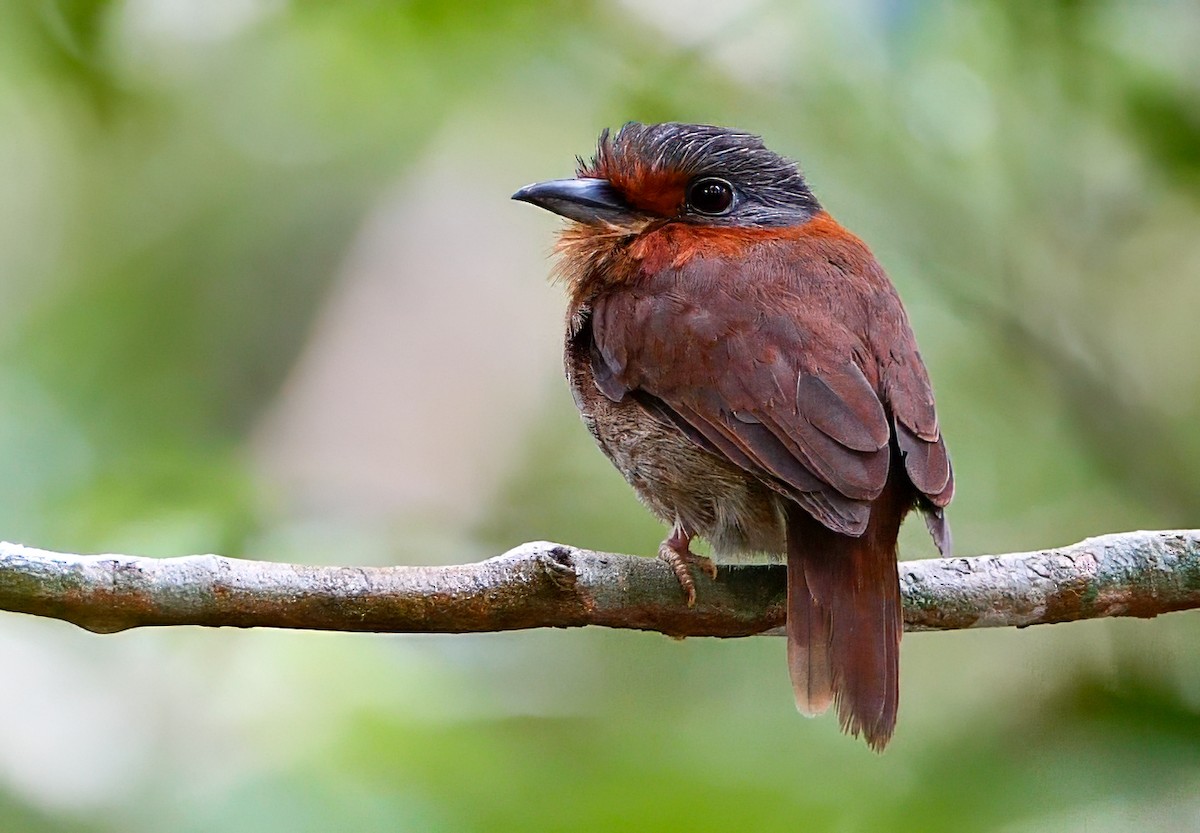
x=553, y=585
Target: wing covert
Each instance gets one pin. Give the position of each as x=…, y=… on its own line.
x=769, y=391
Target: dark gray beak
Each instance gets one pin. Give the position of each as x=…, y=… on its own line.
x=592, y=201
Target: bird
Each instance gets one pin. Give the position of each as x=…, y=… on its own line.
x=745, y=362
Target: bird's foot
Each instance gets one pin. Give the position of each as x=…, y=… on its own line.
x=679, y=557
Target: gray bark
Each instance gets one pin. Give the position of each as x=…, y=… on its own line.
x=554, y=585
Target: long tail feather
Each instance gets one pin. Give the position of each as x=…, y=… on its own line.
x=809, y=643
x=844, y=622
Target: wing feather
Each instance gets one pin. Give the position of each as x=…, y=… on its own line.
x=926, y=461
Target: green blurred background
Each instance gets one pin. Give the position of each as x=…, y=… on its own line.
x=262, y=293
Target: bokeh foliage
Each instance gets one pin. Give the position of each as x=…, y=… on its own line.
x=182, y=184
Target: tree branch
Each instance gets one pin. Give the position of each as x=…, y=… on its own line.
x=554, y=585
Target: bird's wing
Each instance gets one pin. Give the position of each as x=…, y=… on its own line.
x=760, y=377
x=753, y=369
x=909, y=395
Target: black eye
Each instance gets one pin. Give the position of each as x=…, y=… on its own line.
x=710, y=195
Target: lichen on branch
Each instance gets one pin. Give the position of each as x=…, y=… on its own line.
x=543, y=584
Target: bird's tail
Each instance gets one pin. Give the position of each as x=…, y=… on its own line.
x=844, y=622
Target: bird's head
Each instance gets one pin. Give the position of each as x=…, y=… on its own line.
x=648, y=175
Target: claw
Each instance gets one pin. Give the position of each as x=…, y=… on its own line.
x=679, y=557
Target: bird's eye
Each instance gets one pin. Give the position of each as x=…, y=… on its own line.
x=710, y=195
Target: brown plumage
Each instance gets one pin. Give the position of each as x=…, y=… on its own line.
x=748, y=367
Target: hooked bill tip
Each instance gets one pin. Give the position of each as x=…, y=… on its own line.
x=522, y=194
